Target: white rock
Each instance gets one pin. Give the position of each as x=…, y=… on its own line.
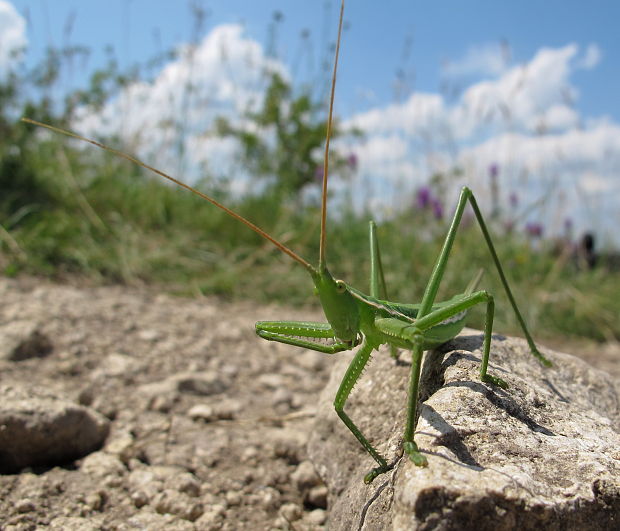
x=537, y=455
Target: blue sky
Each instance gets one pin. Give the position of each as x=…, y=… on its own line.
x=530, y=87
x=373, y=49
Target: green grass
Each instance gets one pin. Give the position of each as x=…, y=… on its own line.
x=90, y=215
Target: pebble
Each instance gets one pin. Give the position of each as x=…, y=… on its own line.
x=101, y=464
x=305, y=477
x=96, y=500
x=21, y=340
x=316, y=517
x=233, y=497
x=270, y=498
x=291, y=512
x=173, y=502
x=317, y=497
x=25, y=506
x=272, y=381
x=204, y=384
x=211, y=517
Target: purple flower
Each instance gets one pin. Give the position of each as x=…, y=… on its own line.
x=423, y=197
x=352, y=161
x=437, y=209
x=534, y=230
x=513, y=198
x=318, y=173
x=493, y=170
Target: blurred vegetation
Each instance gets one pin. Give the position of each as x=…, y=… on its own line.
x=68, y=213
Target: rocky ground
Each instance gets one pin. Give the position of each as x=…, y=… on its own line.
x=205, y=424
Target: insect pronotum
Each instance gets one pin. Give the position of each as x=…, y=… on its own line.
x=369, y=320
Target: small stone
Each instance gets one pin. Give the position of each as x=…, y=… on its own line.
x=22, y=340
x=271, y=381
x=121, y=446
x=290, y=445
x=270, y=498
x=150, y=520
x=204, y=384
x=187, y=484
x=139, y=498
x=73, y=523
x=305, y=477
x=317, y=497
x=149, y=335
x=211, y=518
x=291, y=512
x=316, y=517
x=115, y=364
x=96, y=501
x=162, y=403
x=173, y=502
x=228, y=409
x=281, y=396
x=25, y=506
x=201, y=412
x=233, y=497
x=101, y=464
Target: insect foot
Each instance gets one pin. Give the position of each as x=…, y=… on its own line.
x=411, y=449
x=375, y=472
x=541, y=358
x=487, y=378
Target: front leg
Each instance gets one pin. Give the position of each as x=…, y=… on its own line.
x=348, y=382
x=306, y=334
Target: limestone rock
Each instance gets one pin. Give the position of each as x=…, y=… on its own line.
x=38, y=428
x=544, y=453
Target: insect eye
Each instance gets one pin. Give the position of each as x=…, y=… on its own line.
x=340, y=286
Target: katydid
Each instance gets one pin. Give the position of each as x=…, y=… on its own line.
x=369, y=320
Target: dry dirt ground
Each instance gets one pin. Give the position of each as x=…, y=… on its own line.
x=208, y=423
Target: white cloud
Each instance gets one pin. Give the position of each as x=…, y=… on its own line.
x=421, y=112
x=12, y=36
x=486, y=60
x=525, y=122
x=591, y=57
x=168, y=120
x=518, y=97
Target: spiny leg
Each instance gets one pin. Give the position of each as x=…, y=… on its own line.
x=439, y=269
x=502, y=276
x=306, y=334
x=464, y=303
x=488, y=333
x=409, y=332
x=414, y=333
x=409, y=446
x=378, y=288
x=348, y=382
x=428, y=299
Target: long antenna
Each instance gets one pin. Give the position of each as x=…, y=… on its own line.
x=219, y=205
x=326, y=158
